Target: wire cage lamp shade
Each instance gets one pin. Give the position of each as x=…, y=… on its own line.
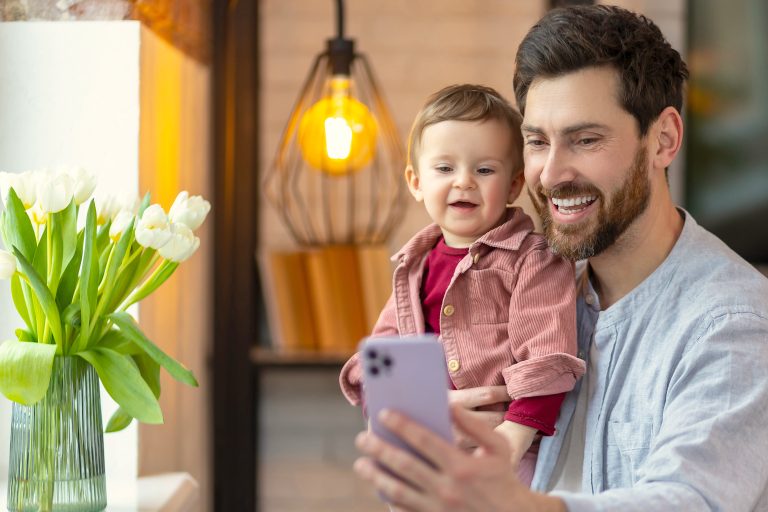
x=337, y=174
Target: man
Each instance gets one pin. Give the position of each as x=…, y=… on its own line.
x=672, y=413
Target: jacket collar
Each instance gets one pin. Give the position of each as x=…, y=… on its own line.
x=508, y=236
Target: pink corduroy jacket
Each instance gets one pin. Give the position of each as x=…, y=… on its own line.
x=512, y=319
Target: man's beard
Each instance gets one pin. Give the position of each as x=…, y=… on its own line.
x=579, y=241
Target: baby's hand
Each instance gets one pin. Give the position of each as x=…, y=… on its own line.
x=519, y=437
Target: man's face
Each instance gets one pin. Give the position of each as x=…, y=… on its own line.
x=585, y=164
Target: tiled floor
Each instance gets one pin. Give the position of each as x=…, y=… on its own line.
x=306, y=445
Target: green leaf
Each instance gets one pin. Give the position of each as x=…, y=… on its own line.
x=70, y=276
x=43, y=294
x=24, y=335
x=41, y=255
x=71, y=315
x=18, y=227
x=17, y=294
x=124, y=384
x=102, y=238
x=144, y=204
x=67, y=221
x=119, y=342
x=88, y=278
x=118, y=255
x=25, y=370
x=119, y=420
x=150, y=372
x=163, y=272
x=129, y=327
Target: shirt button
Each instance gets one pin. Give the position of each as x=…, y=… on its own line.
x=448, y=310
x=580, y=354
x=589, y=299
x=476, y=257
x=453, y=365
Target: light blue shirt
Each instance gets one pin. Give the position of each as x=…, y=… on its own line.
x=677, y=409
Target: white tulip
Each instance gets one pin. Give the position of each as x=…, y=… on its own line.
x=54, y=192
x=153, y=229
x=108, y=206
x=84, y=183
x=24, y=184
x=182, y=245
x=7, y=265
x=37, y=214
x=190, y=211
x=120, y=224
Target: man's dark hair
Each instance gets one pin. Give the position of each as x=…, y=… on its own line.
x=651, y=73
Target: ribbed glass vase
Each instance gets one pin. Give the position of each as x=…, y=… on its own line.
x=57, y=445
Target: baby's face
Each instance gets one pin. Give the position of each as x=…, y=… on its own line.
x=465, y=177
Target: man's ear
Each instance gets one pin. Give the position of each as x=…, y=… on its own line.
x=667, y=133
x=414, y=185
x=515, y=188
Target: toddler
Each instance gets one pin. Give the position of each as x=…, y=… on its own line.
x=502, y=304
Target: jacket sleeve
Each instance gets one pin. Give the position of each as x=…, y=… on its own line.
x=351, y=376
x=542, y=327
x=711, y=451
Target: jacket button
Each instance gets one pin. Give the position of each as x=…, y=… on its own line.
x=453, y=365
x=448, y=310
x=476, y=257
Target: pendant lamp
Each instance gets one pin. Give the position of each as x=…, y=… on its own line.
x=337, y=177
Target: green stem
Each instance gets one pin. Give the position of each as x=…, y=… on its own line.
x=145, y=288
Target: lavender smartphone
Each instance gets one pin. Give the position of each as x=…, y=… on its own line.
x=407, y=375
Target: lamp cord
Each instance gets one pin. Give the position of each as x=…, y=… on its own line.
x=340, y=18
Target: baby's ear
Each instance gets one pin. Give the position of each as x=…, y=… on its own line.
x=414, y=185
x=516, y=187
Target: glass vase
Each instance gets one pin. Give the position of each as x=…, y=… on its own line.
x=57, y=445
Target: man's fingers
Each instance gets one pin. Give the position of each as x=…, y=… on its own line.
x=393, y=490
x=417, y=473
x=478, y=397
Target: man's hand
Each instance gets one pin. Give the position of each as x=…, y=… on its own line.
x=455, y=481
x=473, y=398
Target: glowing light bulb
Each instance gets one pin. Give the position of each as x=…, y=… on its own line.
x=337, y=135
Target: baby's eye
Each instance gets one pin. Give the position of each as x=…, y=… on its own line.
x=484, y=171
x=443, y=169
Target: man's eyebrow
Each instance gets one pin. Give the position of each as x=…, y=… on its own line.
x=568, y=130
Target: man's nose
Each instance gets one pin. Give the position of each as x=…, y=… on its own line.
x=558, y=168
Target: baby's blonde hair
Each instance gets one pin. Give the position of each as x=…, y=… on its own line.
x=467, y=102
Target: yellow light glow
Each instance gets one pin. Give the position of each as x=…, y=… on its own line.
x=337, y=135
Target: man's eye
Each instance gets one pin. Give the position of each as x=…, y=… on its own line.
x=587, y=141
x=535, y=143
x=484, y=171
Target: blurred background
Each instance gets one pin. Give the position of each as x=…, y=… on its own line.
x=298, y=143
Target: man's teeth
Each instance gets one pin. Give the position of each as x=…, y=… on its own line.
x=573, y=201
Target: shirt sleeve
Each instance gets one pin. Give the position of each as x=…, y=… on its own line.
x=542, y=327
x=710, y=453
x=539, y=412
x=351, y=376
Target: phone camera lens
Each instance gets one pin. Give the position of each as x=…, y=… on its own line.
x=374, y=370
x=387, y=362
x=372, y=354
